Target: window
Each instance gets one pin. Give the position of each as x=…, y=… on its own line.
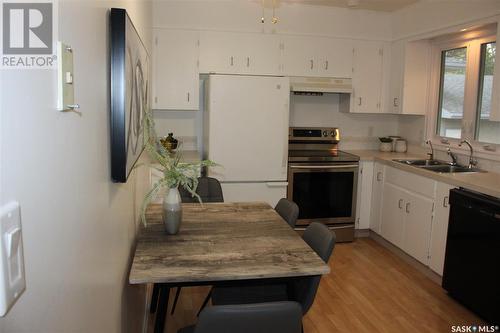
x=465, y=91
x=486, y=130
x=452, y=92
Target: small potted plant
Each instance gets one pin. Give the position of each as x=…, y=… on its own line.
x=175, y=173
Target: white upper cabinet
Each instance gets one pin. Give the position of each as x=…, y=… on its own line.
x=239, y=53
x=410, y=71
x=395, y=91
x=316, y=56
x=367, y=77
x=175, y=70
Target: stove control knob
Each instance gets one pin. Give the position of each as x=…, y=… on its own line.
x=333, y=133
x=325, y=133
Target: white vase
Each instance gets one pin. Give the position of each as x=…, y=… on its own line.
x=172, y=211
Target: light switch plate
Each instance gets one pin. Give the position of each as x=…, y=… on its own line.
x=12, y=279
x=65, y=79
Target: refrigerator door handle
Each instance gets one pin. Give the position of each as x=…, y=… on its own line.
x=285, y=136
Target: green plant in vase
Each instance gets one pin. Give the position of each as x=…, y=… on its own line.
x=175, y=174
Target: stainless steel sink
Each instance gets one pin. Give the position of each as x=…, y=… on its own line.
x=421, y=162
x=438, y=166
x=450, y=168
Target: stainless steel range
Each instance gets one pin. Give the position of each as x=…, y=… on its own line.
x=322, y=180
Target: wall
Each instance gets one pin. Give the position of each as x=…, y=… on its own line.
x=78, y=227
x=358, y=131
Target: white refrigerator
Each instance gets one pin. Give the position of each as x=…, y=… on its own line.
x=246, y=132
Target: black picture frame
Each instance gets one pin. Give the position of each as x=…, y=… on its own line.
x=129, y=80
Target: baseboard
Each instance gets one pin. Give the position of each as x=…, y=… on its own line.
x=407, y=258
x=360, y=233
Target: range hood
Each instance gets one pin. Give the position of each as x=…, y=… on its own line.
x=320, y=85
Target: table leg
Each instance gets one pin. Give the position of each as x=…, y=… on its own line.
x=154, y=298
x=161, y=313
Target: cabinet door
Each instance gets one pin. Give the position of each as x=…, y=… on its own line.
x=418, y=220
x=336, y=56
x=300, y=56
x=367, y=77
x=394, y=102
x=439, y=227
x=377, y=188
x=260, y=54
x=392, y=216
x=416, y=77
x=364, y=197
x=218, y=52
x=175, y=70
x=239, y=53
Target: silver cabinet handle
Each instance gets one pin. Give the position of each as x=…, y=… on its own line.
x=400, y=203
x=326, y=65
x=359, y=101
x=379, y=176
x=188, y=96
x=312, y=64
x=248, y=61
x=407, y=208
x=232, y=60
x=445, y=201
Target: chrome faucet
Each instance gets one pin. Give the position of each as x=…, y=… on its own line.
x=452, y=156
x=472, y=161
x=431, y=154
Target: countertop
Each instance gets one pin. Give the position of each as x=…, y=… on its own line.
x=188, y=156
x=483, y=182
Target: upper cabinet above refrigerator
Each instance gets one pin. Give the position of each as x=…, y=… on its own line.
x=317, y=56
x=239, y=53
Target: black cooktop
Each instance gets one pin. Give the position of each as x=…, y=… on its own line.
x=333, y=155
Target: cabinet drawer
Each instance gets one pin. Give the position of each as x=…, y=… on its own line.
x=415, y=183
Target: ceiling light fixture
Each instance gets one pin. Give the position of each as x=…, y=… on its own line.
x=465, y=29
x=262, y=19
x=275, y=19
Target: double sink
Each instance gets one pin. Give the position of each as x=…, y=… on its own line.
x=438, y=166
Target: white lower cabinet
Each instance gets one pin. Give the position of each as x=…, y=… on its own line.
x=440, y=227
x=417, y=224
x=411, y=212
x=364, y=197
x=376, y=205
x=270, y=192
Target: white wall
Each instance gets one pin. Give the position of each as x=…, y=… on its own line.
x=78, y=227
x=358, y=131
x=426, y=16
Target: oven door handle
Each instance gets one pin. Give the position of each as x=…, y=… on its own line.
x=343, y=166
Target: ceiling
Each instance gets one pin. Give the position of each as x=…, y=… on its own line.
x=380, y=5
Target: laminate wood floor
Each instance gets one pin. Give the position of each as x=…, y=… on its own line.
x=370, y=289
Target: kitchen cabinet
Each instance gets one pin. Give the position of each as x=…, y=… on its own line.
x=175, y=70
x=407, y=212
x=376, y=199
x=439, y=227
x=364, y=197
x=367, y=77
x=409, y=77
x=318, y=57
x=239, y=53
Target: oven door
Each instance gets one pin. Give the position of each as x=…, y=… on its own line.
x=325, y=193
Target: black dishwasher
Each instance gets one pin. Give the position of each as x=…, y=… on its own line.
x=472, y=262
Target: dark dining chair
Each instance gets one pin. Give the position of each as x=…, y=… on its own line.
x=288, y=210
x=210, y=190
x=302, y=290
x=277, y=317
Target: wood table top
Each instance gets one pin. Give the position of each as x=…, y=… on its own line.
x=222, y=242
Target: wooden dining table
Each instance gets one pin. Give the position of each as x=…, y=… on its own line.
x=219, y=243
